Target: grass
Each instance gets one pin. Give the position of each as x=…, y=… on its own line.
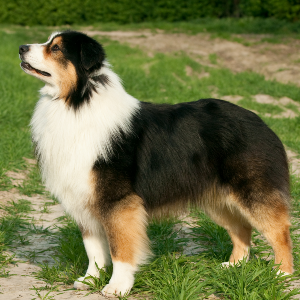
x=261, y=107
x=160, y=79
x=71, y=259
x=17, y=207
x=18, y=96
x=213, y=58
x=292, y=107
x=218, y=26
x=47, y=295
x=13, y=229
x=177, y=278
x=5, y=258
x=32, y=184
x=257, y=279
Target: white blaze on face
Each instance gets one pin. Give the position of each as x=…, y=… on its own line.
x=51, y=36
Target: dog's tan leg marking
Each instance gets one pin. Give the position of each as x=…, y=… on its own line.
x=241, y=238
x=128, y=241
x=271, y=218
x=238, y=228
x=276, y=230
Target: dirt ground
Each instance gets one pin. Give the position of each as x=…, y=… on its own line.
x=275, y=61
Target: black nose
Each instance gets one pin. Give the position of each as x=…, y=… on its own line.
x=23, y=49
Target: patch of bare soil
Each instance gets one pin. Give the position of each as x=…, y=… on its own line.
x=274, y=61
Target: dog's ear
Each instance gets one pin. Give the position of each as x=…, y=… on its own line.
x=91, y=53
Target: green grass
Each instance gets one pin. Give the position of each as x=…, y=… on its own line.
x=32, y=184
x=256, y=279
x=177, y=278
x=288, y=131
x=14, y=227
x=18, y=96
x=5, y=258
x=164, y=239
x=292, y=107
x=21, y=206
x=261, y=107
x=213, y=25
x=158, y=79
x=71, y=259
x=213, y=58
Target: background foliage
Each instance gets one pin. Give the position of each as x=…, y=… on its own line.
x=58, y=12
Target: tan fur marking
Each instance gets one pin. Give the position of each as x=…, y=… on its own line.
x=68, y=80
x=237, y=226
x=57, y=40
x=47, y=48
x=125, y=225
x=241, y=239
x=65, y=72
x=211, y=198
x=278, y=235
x=273, y=222
x=126, y=229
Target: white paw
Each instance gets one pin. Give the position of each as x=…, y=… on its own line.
x=113, y=290
x=81, y=286
x=279, y=272
x=226, y=264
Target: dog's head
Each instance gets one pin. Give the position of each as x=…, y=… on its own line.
x=68, y=62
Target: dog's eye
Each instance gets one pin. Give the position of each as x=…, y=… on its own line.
x=55, y=48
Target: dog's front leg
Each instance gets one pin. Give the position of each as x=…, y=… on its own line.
x=97, y=250
x=125, y=227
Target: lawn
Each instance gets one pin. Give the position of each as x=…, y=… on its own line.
x=171, y=274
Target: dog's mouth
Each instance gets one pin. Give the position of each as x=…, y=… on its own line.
x=28, y=67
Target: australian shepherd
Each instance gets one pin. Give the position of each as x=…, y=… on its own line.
x=113, y=161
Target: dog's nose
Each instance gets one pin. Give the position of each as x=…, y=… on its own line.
x=23, y=49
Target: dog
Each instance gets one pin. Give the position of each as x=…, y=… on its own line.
x=113, y=161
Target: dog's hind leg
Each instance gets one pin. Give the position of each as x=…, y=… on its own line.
x=125, y=227
x=97, y=250
x=238, y=229
x=270, y=216
x=274, y=225
x=241, y=237
x=280, y=240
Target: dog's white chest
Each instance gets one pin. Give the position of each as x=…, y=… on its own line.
x=69, y=142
